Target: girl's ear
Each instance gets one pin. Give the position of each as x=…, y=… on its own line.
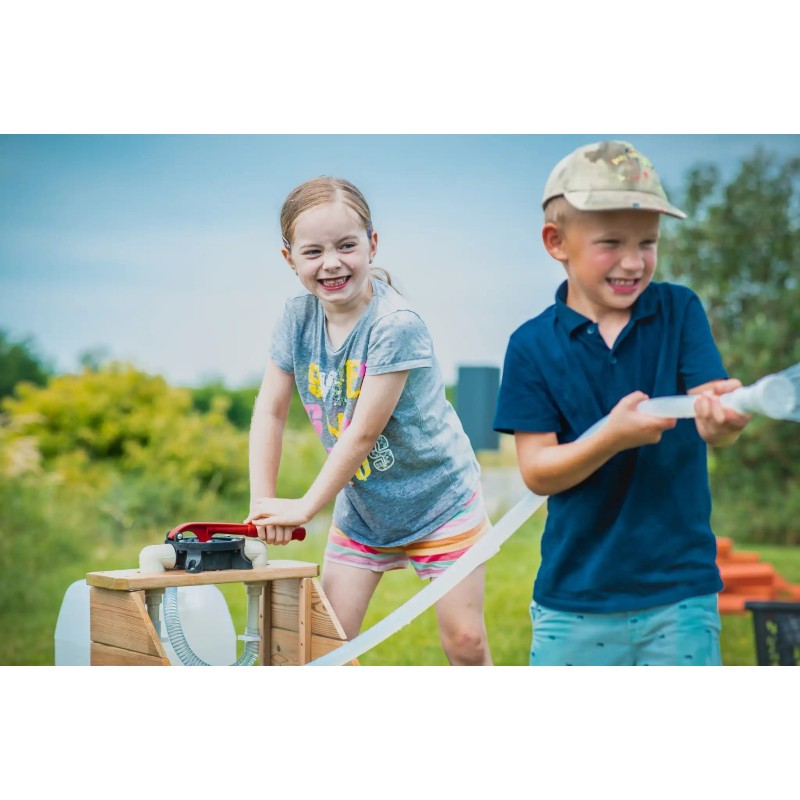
x=288, y=256
x=553, y=239
x=373, y=245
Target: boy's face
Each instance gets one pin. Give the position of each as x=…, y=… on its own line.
x=609, y=256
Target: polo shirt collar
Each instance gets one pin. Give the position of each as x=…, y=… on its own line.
x=646, y=306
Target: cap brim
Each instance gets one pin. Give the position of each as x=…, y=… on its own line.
x=622, y=201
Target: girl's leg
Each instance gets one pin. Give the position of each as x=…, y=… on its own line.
x=349, y=590
x=461, y=625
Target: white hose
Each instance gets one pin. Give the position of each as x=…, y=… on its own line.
x=773, y=396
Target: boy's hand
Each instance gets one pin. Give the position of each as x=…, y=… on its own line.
x=718, y=425
x=631, y=428
x=276, y=518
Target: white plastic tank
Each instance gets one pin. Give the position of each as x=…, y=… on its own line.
x=205, y=620
x=72, y=627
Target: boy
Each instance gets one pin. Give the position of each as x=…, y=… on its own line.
x=628, y=573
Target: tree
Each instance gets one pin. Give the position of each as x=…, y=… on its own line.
x=19, y=362
x=740, y=251
x=136, y=446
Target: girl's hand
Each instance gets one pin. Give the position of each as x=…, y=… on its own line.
x=276, y=512
x=275, y=534
x=718, y=425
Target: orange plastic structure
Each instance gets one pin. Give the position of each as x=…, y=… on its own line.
x=745, y=577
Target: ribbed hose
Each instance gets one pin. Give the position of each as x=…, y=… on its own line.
x=185, y=653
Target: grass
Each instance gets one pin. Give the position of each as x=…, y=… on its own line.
x=509, y=583
x=30, y=608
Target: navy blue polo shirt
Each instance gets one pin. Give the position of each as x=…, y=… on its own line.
x=635, y=534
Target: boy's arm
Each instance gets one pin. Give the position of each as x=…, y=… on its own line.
x=718, y=425
x=548, y=467
x=377, y=400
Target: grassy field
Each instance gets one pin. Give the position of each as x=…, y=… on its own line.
x=509, y=577
x=29, y=615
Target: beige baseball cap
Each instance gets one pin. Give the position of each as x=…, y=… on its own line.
x=609, y=176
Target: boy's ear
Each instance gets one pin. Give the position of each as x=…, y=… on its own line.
x=553, y=239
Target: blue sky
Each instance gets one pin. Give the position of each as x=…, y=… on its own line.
x=164, y=250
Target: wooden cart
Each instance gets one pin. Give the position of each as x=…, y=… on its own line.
x=296, y=621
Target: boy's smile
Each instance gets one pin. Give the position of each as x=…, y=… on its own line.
x=610, y=258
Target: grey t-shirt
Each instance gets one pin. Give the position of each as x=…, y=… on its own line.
x=422, y=468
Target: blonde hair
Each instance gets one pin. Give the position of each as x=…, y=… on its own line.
x=318, y=191
x=559, y=212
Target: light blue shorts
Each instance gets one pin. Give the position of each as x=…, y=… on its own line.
x=681, y=634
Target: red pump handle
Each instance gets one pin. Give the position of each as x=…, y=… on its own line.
x=205, y=530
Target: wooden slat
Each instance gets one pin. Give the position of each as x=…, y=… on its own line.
x=724, y=545
x=285, y=646
x=747, y=574
x=285, y=604
x=134, y=580
x=120, y=619
x=265, y=625
x=741, y=557
x=101, y=655
x=304, y=621
x=731, y=603
x=325, y=622
x=328, y=631
x=322, y=645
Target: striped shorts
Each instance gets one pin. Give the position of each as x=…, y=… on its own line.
x=430, y=555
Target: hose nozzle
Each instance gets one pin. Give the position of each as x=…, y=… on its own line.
x=773, y=396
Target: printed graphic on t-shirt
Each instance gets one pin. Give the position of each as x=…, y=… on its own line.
x=335, y=388
x=381, y=455
x=342, y=384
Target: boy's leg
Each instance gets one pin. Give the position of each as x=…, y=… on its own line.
x=681, y=634
x=349, y=590
x=462, y=629
x=568, y=639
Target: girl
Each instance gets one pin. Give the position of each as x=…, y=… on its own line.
x=401, y=467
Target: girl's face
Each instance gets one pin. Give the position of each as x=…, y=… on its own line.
x=331, y=254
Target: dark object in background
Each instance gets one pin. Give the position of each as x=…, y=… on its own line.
x=476, y=395
x=777, y=632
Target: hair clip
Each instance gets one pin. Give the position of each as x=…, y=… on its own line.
x=286, y=243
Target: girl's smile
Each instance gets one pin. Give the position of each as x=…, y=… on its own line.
x=334, y=284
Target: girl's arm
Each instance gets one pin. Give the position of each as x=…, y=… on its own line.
x=376, y=402
x=266, y=435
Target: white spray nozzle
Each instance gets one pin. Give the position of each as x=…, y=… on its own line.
x=773, y=396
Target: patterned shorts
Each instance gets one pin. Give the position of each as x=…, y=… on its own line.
x=680, y=634
x=430, y=555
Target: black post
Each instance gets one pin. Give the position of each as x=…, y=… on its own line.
x=476, y=395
